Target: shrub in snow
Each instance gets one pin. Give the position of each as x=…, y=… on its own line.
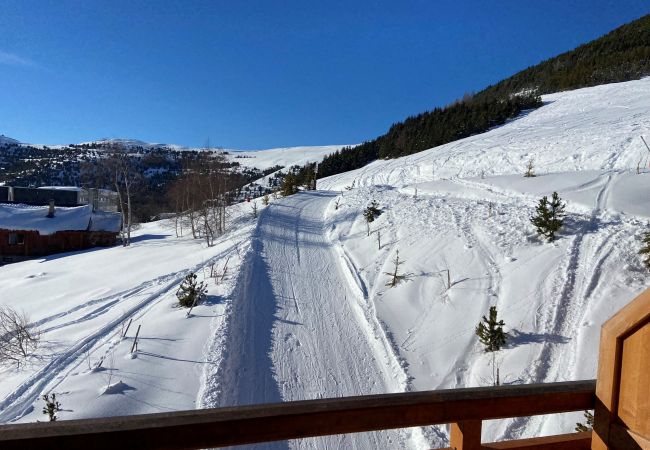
x=266, y=199
x=51, y=406
x=490, y=332
x=17, y=338
x=645, y=250
x=529, y=169
x=190, y=292
x=549, y=217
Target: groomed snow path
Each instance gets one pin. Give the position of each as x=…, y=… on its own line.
x=298, y=328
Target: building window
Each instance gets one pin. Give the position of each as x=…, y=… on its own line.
x=16, y=239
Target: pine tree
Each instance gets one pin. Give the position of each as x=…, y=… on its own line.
x=490, y=332
x=372, y=211
x=581, y=427
x=51, y=406
x=396, y=277
x=645, y=250
x=549, y=218
x=370, y=214
x=190, y=292
x=289, y=185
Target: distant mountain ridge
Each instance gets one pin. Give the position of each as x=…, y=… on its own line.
x=621, y=55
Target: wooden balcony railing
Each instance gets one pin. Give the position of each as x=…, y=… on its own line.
x=620, y=397
x=292, y=420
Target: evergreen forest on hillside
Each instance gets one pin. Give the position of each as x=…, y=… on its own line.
x=621, y=55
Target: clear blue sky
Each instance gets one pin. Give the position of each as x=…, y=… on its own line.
x=260, y=74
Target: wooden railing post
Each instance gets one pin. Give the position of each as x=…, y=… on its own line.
x=466, y=435
x=622, y=409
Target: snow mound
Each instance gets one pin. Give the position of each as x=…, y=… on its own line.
x=117, y=388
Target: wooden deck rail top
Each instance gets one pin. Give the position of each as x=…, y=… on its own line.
x=292, y=420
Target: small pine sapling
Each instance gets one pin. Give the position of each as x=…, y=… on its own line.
x=550, y=216
x=581, y=427
x=529, y=169
x=337, y=203
x=190, y=292
x=254, y=210
x=395, y=277
x=370, y=214
x=490, y=332
x=51, y=406
x=645, y=250
x=266, y=200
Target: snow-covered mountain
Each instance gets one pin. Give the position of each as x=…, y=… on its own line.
x=304, y=310
x=7, y=140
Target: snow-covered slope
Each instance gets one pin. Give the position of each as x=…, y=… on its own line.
x=289, y=156
x=465, y=207
x=7, y=140
x=595, y=128
x=310, y=314
x=82, y=302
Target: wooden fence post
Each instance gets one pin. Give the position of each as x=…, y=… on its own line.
x=135, y=341
x=466, y=435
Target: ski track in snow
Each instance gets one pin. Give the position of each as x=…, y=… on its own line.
x=20, y=402
x=300, y=326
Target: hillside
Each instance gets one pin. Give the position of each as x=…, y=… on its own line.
x=621, y=55
x=304, y=310
x=158, y=167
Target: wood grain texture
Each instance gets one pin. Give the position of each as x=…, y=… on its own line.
x=292, y=420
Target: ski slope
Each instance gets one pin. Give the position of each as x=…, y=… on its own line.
x=300, y=328
x=305, y=311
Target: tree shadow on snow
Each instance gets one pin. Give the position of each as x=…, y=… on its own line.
x=148, y=237
x=518, y=338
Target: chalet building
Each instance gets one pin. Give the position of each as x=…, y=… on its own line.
x=39, y=222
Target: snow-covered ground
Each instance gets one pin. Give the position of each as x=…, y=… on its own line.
x=263, y=159
x=309, y=314
x=81, y=302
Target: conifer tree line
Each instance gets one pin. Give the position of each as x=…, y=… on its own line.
x=621, y=55
x=469, y=116
x=298, y=176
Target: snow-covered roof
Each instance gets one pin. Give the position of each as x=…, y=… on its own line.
x=34, y=218
x=61, y=188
